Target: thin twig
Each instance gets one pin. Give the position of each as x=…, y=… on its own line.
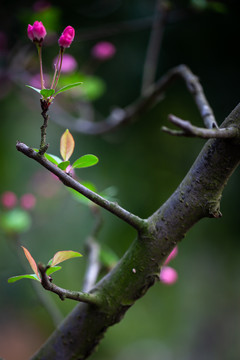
x=93, y=250
x=154, y=45
x=63, y=293
x=93, y=267
x=193, y=131
x=133, y=220
x=45, y=107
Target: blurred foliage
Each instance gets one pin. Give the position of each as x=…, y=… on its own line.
x=198, y=317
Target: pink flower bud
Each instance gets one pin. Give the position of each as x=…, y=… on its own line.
x=37, y=32
x=28, y=201
x=103, y=50
x=168, y=275
x=67, y=37
x=9, y=199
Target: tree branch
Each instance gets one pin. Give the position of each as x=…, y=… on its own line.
x=193, y=131
x=154, y=45
x=119, y=117
x=93, y=250
x=63, y=293
x=198, y=196
x=67, y=180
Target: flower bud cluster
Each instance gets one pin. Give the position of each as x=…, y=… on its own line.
x=37, y=33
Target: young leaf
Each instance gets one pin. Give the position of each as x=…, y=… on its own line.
x=47, y=93
x=66, y=145
x=53, y=269
x=61, y=256
x=85, y=161
x=63, y=165
x=35, y=89
x=53, y=158
x=31, y=261
x=67, y=87
x=19, y=277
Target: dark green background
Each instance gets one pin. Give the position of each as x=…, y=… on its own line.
x=198, y=317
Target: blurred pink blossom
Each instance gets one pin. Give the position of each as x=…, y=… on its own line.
x=35, y=81
x=67, y=37
x=28, y=201
x=103, y=50
x=36, y=32
x=9, y=199
x=168, y=275
x=69, y=64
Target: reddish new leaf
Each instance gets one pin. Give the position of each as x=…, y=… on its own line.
x=31, y=262
x=61, y=256
x=66, y=145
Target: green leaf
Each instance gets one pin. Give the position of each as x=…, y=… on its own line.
x=63, y=165
x=67, y=87
x=53, y=158
x=81, y=198
x=85, y=161
x=33, y=88
x=47, y=93
x=61, y=256
x=19, y=277
x=53, y=269
x=15, y=221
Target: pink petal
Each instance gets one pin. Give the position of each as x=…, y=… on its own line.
x=171, y=256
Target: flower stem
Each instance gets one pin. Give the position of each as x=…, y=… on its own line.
x=39, y=48
x=60, y=67
x=56, y=69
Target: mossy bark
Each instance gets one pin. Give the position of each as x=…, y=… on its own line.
x=197, y=196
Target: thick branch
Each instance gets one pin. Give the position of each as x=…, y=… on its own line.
x=63, y=293
x=68, y=181
x=196, y=197
x=119, y=117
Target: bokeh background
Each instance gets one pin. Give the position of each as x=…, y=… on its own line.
x=196, y=318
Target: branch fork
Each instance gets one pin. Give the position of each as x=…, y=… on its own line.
x=63, y=294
